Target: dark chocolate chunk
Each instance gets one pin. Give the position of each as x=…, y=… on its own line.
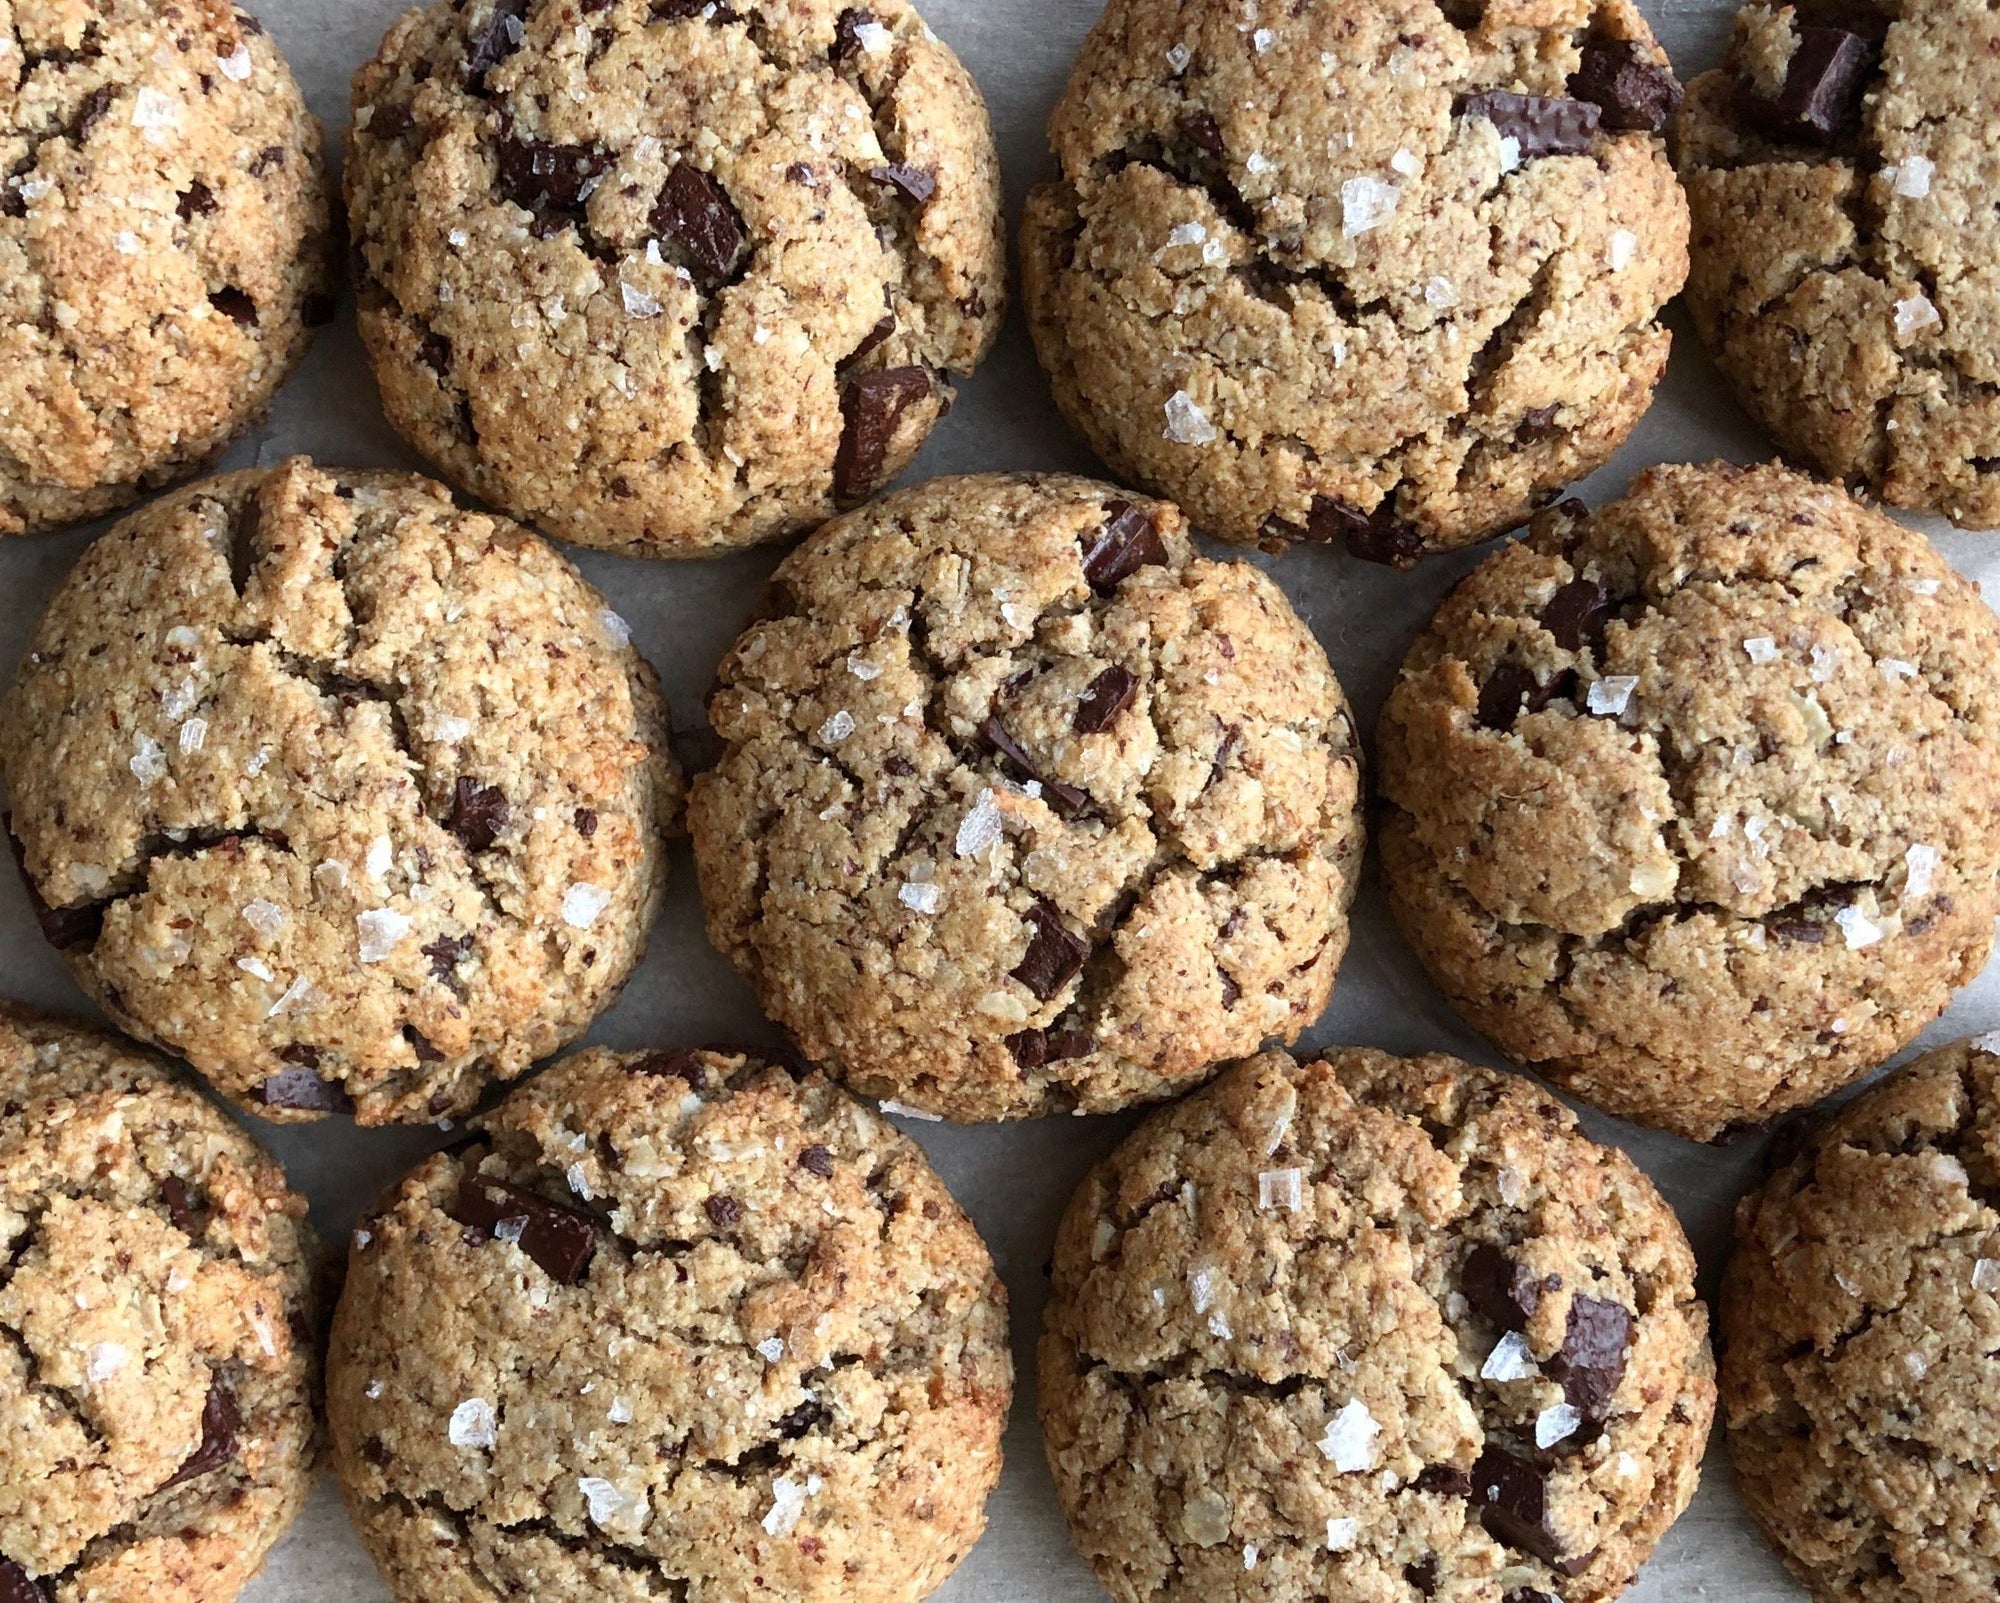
x=174, y=1192
x=808, y=1417
x=697, y=212
x=1200, y=129
x=1063, y=797
x=1126, y=543
x=1034, y=1049
x=1513, y=690
x=871, y=341
x=549, y=181
x=197, y=200
x=1507, y=1293
x=389, y=122
x=1377, y=536
x=1512, y=1496
x=561, y=1240
x=817, y=1160
x=91, y=112
x=1423, y=1575
x=1538, y=423
x=446, y=953
x=1055, y=954
x=269, y=159
x=420, y=1044
x=723, y=1212
x=1633, y=93
x=1591, y=1362
x=494, y=40
x=1225, y=748
x=1798, y=931
x=585, y=820
x=478, y=814
x=1577, y=613
x=220, y=1421
x=917, y=184
x=235, y=305
x=1822, y=91
x=1109, y=694
x=872, y=405
x=301, y=1090
x=673, y=10
x=847, y=34
x=1542, y=125
x=18, y=1586
x=1447, y=1480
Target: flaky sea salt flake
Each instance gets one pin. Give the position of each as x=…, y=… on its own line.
x=1366, y=202
x=1914, y=314
x=837, y=728
x=582, y=903
x=1281, y=1188
x=920, y=897
x=1857, y=928
x=152, y=109
x=1511, y=1359
x=1187, y=424
x=472, y=1424
x=149, y=762
x=1556, y=1423
x=236, y=65
x=381, y=931
x=788, y=1503
x=1920, y=864
x=1609, y=697
x=904, y=1110
x=1350, y=1439
x=981, y=828
x=1623, y=246
x=1761, y=648
x=1911, y=178
x=1341, y=1534
x=1986, y=1275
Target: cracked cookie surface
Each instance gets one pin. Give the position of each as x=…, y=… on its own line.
x=163, y=246
x=1839, y=170
x=341, y=793
x=677, y=1324
x=1860, y=1318
x=1366, y=270
x=158, y=1351
x=1026, y=808
x=1691, y=803
x=1370, y=1327
x=667, y=277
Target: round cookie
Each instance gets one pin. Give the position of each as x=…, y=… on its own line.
x=1838, y=167
x=674, y=1324
x=1693, y=804
x=1859, y=1321
x=348, y=796
x=1025, y=807
x=1370, y=271
x=163, y=246
x=669, y=277
x=1370, y=1327
x=158, y=1378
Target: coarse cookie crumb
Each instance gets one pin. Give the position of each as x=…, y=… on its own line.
x=1364, y=270
x=1693, y=804
x=1369, y=1327
x=160, y=1365
x=664, y=276
x=163, y=246
x=345, y=795
x=674, y=1324
x=1027, y=808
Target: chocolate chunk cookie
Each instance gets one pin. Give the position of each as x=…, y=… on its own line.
x=158, y=1373
x=1369, y=1327
x=676, y=1324
x=1694, y=804
x=1839, y=171
x=350, y=797
x=1366, y=271
x=668, y=277
x=1860, y=1317
x=163, y=246
x=1025, y=807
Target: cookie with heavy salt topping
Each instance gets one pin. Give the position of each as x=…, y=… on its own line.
x=1859, y=1319
x=1377, y=272
x=163, y=246
x=673, y=1324
x=1370, y=1327
x=158, y=1377
x=666, y=276
x=1693, y=804
x=350, y=797
x=1025, y=807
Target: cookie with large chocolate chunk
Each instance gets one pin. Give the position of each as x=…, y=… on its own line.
x=158, y=1312
x=672, y=278
x=1322, y=1325
x=1694, y=804
x=1844, y=282
x=1354, y=274
x=670, y=1324
x=1025, y=807
x=350, y=797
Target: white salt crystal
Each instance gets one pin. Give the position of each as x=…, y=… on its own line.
x=236, y=65
x=1610, y=697
x=1761, y=648
x=1511, y=1359
x=104, y=1359
x=265, y=917
x=1911, y=178
x=1350, y=1439
x=1280, y=1188
x=149, y=762
x=637, y=302
x=582, y=903
x=981, y=827
x=891, y=1105
x=1915, y=314
x=788, y=1502
x=152, y=109
x=1857, y=928
x=837, y=728
x=381, y=931
x=1187, y=424
x=919, y=897
x=1366, y=203
x=1341, y=1534
x=1556, y=1424
x=472, y=1424
x=1920, y=863
x=1623, y=244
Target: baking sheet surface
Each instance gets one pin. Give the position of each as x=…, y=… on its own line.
x=1015, y=1179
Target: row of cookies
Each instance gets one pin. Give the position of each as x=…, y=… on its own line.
x=692, y=1320
x=669, y=277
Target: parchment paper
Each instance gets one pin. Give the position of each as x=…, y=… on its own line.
x=1015, y=1179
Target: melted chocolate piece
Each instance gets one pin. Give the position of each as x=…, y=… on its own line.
x=549, y=181
x=478, y=814
x=560, y=1240
x=235, y=305
x=1109, y=695
x=1201, y=130
x=1378, y=536
x=871, y=342
x=174, y=1192
x=494, y=40
x=1065, y=798
x=1423, y=1575
x=220, y=1421
x=1512, y=1496
x=1512, y=690
x=1591, y=1362
x=1034, y=1049
x=389, y=122
x=916, y=184
x=18, y=1586
x=1822, y=91
x=197, y=200
x=1538, y=423
x=91, y=112
x=872, y=405
x=1507, y=1293
x=1634, y=94
x=817, y=1160
x=1055, y=955
x=1447, y=1480
x=301, y=1090
x=1799, y=931
x=1577, y=613
x=1541, y=125
x=446, y=953
x=1127, y=542
x=697, y=212
x=725, y=1213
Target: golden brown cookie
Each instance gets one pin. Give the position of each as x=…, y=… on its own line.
x=163, y=246
x=1370, y=1327
x=665, y=276
x=1693, y=804
x=350, y=797
x=1362, y=270
x=675, y=1324
x=1860, y=1318
x=1027, y=808
x=1839, y=165
x=158, y=1376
